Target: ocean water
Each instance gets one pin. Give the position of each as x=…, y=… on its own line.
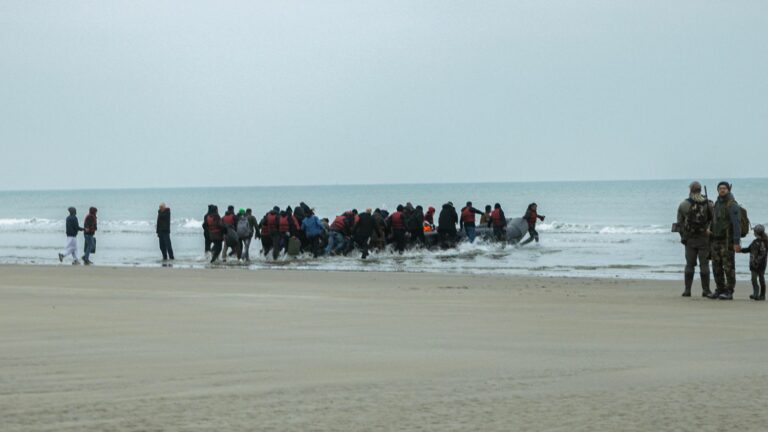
x=596, y=229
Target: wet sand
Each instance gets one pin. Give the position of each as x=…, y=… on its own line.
x=97, y=349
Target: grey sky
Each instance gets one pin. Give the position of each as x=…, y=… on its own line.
x=153, y=94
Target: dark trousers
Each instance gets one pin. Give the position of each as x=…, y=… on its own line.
x=314, y=245
x=447, y=237
x=266, y=244
x=207, y=239
x=499, y=233
x=277, y=244
x=165, y=245
x=362, y=243
x=215, y=250
x=759, y=290
x=533, y=236
x=417, y=236
x=399, y=237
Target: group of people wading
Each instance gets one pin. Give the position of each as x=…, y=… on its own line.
x=299, y=230
x=713, y=231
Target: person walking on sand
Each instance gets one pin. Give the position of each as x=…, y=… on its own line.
x=758, y=257
x=72, y=228
x=726, y=241
x=89, y=234
x=531, y=215
x=164, y=231
x=694, y=222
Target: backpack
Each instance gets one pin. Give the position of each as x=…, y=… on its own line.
x=698, y=218
x=244, y=229
x=743, y=222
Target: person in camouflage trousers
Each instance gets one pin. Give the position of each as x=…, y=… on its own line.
x=694, y=220
x=726, y=241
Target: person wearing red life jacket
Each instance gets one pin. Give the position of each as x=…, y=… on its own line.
x=396, y=223
x=498, y=221
x=269, y=229
x=215, y=232
x=531, y=215
x=338, y=233
x=467, y=220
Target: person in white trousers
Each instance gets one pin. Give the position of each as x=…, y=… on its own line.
x=73, y=227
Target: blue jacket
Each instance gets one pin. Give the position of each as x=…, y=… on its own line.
x=73, y=226
x=312, y=226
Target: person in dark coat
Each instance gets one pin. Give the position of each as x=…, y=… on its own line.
x=446, y=225
x=164, y=231
x=362, y=231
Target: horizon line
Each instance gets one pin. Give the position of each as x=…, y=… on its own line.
x=361, y=184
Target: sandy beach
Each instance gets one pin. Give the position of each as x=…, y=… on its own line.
x=128, y=349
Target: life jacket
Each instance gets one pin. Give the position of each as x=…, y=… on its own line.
x=467, y=215
x=496, y=218
x=397, y=221
x=273, y=222
x=285, y=224
x=213, y=227
x=339, y=224
x=228, y=219
x=265, y=226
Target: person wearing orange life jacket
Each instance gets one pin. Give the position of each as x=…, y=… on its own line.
x=397, y=225
x=270, y=232
x=338, y=232
x=231, y=239
x=467, y=220
x=531, y=215
x=214, y=228
x=498, y=221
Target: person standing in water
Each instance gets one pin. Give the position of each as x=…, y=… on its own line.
x=531, y=215
x=89, y=233
x=164, y=231
x=72, y=228
x=467, y=221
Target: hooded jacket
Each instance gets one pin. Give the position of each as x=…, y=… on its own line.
x=727, y=224
x=164, y=221
x=89, y=224
x=448, y=218
x=73, y=226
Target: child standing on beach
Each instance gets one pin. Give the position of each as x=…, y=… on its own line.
x=758, y=255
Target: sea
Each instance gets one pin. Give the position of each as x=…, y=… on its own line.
x=606, y=229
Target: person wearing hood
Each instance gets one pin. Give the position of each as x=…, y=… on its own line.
x=164, y=231
x=72, y=228
x=467, y=221
x=215, y=230
x=446, y=225
x=231, y=240
x=531, y=216
x=379, y=233
x=726, y=241
x=313, y=229
x=396, y=222
x=269, y=231
x=361, y=233
x=415, y=222
x=206, y=234
x=89, y=233
x=429, y=216
x=758, y=258
x=694, y=223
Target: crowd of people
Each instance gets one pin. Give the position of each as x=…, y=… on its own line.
x=298, y=230
x=712, y=231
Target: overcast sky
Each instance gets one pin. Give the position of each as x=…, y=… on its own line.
x=166, y=94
